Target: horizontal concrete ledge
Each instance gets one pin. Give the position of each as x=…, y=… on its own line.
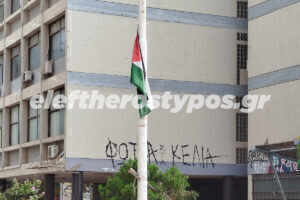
x=274, y=78
x=106, y=166
x=103, y=80
x=126, y=10
x=267, y=7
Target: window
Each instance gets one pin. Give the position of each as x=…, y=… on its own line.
x=15, y=5
x=1, y=11
x=242, y=37
x=33, y=124
x=1, y=70
x=242, y=127
x=242, y=56
x=57, y=39
x=34, y=53
x=241, y=156
x=242, y=9
x=15, y=63
x=14, y=126
x=56, y=118
x=1, y=129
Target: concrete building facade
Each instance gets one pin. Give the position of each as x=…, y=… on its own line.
x=274, y=46
x=195, y=47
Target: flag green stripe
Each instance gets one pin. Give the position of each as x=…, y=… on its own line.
x=137, y=78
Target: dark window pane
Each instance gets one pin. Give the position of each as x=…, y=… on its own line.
x=242, y=9
x=1, y=11
x=1, y=70
x=15, y=67
x=55, y=46
x=57, y=39
x=15, y=5
x=14, y=126
x=34, y=57
x=242, y=127
x=34, y=129
x=62, y=42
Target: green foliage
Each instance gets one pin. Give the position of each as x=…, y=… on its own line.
x=298, y=155
x=171, y=185
x=26, y=190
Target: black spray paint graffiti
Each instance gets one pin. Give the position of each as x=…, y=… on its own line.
x=255, y=156
x=188, y=155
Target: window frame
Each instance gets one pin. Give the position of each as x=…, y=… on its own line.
x=54, y=110
x=241, y=127
x=37, y=116
x=241, y=155
x=11, y=62
x=1, y=135
x=30, y=47
x=242, y=9
x=1, y=70
x=12, y=124
x=12, y=11
x=54, y=33
x=2, y=9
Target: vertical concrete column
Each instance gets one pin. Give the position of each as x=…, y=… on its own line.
x=49, y=186
x=6, y=72
x=250, y=187
x=77, y=184
x=23, y=130
x=228, y=188
x=95, y=192
x=3, y=185
x=44, y=43
x=44, y=130
x=5, y=134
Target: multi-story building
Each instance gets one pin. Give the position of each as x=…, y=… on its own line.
x=274, y=46
x=195, y=47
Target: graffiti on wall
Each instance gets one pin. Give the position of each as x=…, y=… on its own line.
x=188, y=155
x=259, y=164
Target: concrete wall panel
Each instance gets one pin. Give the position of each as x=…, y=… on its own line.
x=274, y=41
x=214, y=130
x=176, y=51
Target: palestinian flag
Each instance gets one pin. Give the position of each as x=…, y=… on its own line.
x=140, y=81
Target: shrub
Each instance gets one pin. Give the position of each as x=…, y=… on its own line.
x=26, y=190
x=171, y=185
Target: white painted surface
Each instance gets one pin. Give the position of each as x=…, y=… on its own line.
x=176, y=51
x=279, y=120
x=274, y=41
x=89, y=131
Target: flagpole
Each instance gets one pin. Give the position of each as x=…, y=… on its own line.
x=143, y=122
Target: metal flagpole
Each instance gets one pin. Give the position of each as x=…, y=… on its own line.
x=142, y=129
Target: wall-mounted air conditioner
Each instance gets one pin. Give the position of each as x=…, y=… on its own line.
x=53, y=151
x=27, y=77
x=47, y=68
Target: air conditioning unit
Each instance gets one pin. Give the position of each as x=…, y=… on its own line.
x=53, y=151
x=27, y=77
x=47, y=68
x=243, y=77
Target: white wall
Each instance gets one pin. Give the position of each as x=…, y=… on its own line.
x=89, y=131
x=279, y=120
x=103, y=44
x=274, y=41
